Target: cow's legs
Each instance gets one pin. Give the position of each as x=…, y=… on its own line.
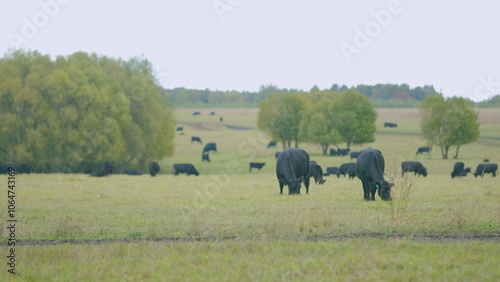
x=281, y=186
x=366, y=190
x=307, y=179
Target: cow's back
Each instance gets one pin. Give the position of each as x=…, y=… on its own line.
x=370, y=164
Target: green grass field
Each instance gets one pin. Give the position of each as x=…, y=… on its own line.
x=230, y=224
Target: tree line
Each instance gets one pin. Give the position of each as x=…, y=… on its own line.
x=73, y=113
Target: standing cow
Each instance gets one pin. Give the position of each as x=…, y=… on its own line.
x=370, y=167
x=154, y=168
x=459, y=170
x=416, y=167
x=256, y=165
x=292, y=167
x=210, y=147
x=344, y=169
x=185, y=168
x=422, y=150
x=316, y=172
x=486, y=168
x=196, y=139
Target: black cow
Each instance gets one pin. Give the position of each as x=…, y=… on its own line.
x=354, y=155
x=486, y=160
x=5, y=168
x=271, y=144
x=210, y=147
x=132, y=172
x=422, y=150
x=196, y=113
x=154, y=168
x=332, y=170
x=459, y=170
x=343, y=152
x=185, y=168
x=292, y=167
x=221, y=119
x=212, y=113
x=317, y=172
x=276, y=154
x=486, y=168
x=180, y=128
x=416, y=167
x=256, y=165
x=390, y=124
x=205, y=157
x=333, y=152
x=370, y=167
x=196, y=139
x=344, y=168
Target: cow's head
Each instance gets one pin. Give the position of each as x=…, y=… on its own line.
x=424, y=171
x=384, y=190
x=294, y=186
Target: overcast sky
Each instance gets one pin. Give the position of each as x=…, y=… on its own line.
x=243, y=44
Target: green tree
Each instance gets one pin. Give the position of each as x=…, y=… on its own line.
x=280, y=117
x=354, y=118
x=318, y=124
x=447, y=123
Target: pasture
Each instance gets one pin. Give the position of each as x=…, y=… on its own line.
x=230, y=224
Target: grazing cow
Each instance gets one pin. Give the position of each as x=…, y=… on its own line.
x=271, y=144
x=317, y=172
x=370, y=167
x=422, y=150
x=486, y=160
x=390, y=124
x=210, y=147
x=342, y=152
x=416, y=167
x=196, y=113
x=292, y=167
x=132, y=172
x=205, y=157
x=276, y=154
x=212, y=113
x=185, y=168
x=256, y=165
x=486, y=168
x=154, y=168
x=333, y=152
x=354, y=155
x=196, y=139
x=344, y=168
x=332, y=170
x=180, y=128
x=459, y=170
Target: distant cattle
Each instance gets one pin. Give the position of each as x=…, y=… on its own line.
x=390, y=124
x=196, y=113
x=154, y=168
x=486, y=160
x=292, y=168
x=210, y=147
x=416, y=167
x=344, y=168
x=271, y=144
x=354, y=155
x=205, y=157
x=351, y=172
x=316, y=172
x=24, y=168
x=180, y=128
x=212, y=113
x=342, y=152
x=486, y=168
x=333, y=152
x=276, y=154
x=422, y=150
x=332, y=170
x=459, y=170
x=185, y=168
x=370, y=167
x=221, y=119
x=256, y=165
x=132, y=172
x=196, y=139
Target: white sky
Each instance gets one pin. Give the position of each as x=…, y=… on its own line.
x=453, y=45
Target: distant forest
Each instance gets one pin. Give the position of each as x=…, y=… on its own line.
x=381, y=95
